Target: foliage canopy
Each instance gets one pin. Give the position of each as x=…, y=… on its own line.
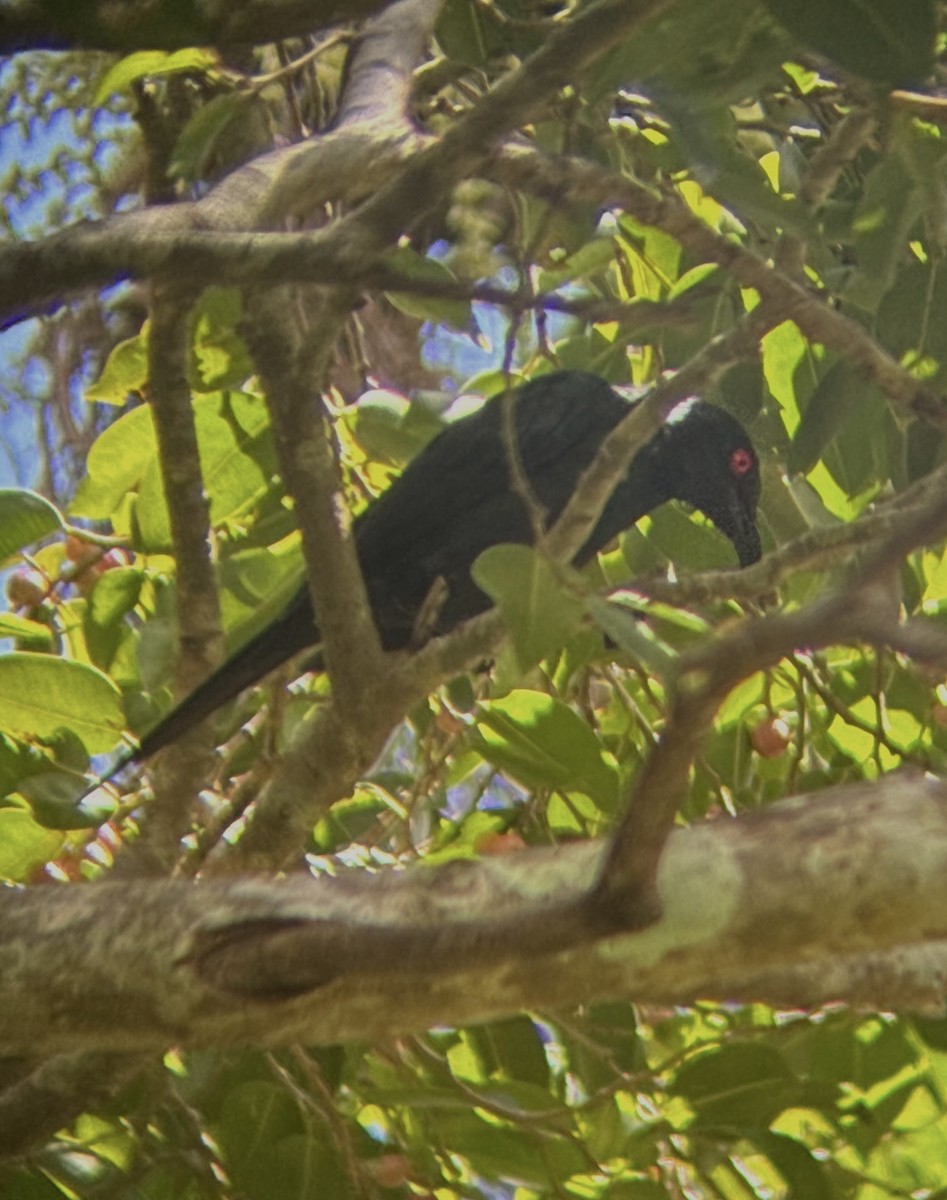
x=744, y=201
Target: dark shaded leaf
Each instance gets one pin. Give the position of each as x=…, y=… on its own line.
x=835, y=398
x=890, y=41
x=737, y=1085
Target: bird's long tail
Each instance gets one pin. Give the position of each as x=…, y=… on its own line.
x=270, y=648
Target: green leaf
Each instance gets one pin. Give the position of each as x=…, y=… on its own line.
x=237, y=462
x=25, y=518
x=634, y=635
x=457, y=314
x=124, y=374
x=466, y=33
x=835, y=398
x=786, y=360
x=148, y=63
x=24, y=844
x=545, y=744
x=890, y=204
x=806, y=1177
x=694, y=278
x=58, y=801
x=506, y=1154
x=349, y=820
x=267, y=1150
x=539, y=611
x=890, y=41
x=674, y=537
x=389, y=428
x=115, y=594
x=40, y=695
x=590, y=259
x=737, y=1085
x=220, y=356
x=33, y=634
x=255, y=587
x=199, y=139
x=909, y=313
x=517, y=1050
x=115, y=464
x=700, y=53
x=18, y=761
x=742, y=699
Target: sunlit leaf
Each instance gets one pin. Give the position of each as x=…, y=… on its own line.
x=124, y=374
x=145, y=63
x=40, y=695
x=115, y=464
x=544, y=743
x=25, y=518
x=24, y=844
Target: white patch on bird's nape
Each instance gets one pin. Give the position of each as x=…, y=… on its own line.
x=630, y=392
x=680, y=412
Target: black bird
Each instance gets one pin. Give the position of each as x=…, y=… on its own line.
x=454, y=500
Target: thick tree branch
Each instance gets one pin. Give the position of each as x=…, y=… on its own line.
x=382, y=64
x=861, y=869
x=291, y=373
x=350, y=162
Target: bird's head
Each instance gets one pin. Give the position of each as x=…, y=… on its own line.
x=705, y=458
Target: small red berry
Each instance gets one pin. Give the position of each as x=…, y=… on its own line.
x=79, y=551
x=771, y=737
x=391, y=1170
x=27, y=588
x=492, y=845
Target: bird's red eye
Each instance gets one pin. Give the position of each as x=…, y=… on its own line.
x=741, y=462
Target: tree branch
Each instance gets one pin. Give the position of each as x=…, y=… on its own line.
x=382, y=64
x=291, y=372
x=200, y=639
x=349, y=162
x=862, y=868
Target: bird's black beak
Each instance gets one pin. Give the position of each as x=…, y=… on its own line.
x=740, y=527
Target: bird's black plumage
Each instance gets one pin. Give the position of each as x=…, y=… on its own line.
x=455, y=499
